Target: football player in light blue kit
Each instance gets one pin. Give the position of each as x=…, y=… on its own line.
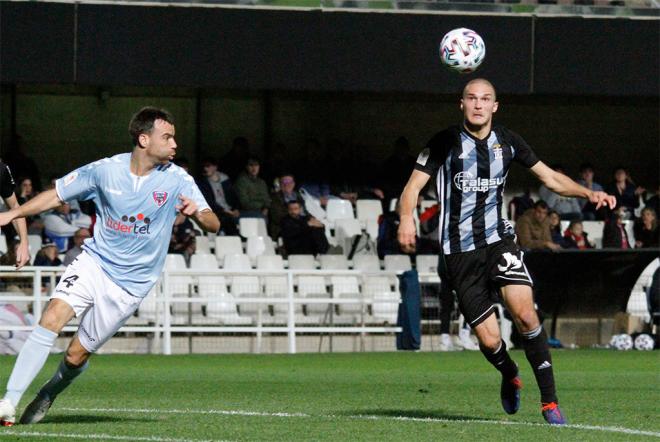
x=137, y=195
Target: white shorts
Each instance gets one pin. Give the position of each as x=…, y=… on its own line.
x=101, y=304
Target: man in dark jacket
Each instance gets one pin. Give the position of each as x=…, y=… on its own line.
x=302, y=234
x=220, y=195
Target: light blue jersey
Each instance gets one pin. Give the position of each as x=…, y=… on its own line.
x=134, y=216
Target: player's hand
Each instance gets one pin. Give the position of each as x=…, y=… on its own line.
x=601, y=199
x=22, y=254
x=407, y=234
x=187, y=206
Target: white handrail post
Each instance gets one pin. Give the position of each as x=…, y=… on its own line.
x=36, y=292
x=290, y=319
x=167, y=320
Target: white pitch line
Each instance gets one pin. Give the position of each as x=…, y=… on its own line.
x=8, y=432
x=623, y=430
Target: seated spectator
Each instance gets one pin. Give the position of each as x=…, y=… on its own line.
x=302, y=234
x=587, y=180
x=220, y=195
x=567, y=207
x=614, y=232
x=626, y=192
x=62, y=223
x=429, y=223
x=183, y=239
x=653, y=201
x=47, y=255
x=533, y=228
x=78, y=238
x=279, y=200
x=252, y=191
x=575, y=237
x=555, y=229
x=519, y=205
x=388, y=226
x=25, y=193
x=646, y=229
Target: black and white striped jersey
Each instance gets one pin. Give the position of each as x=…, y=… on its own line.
x=471, y=174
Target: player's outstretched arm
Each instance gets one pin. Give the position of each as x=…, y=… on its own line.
x=205, y=219
x=44, y=201
x=23, y=250
x=407, y=203
x=563, y=185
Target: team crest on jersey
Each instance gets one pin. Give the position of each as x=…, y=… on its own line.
x=70, y=178
x=497, y=150
x=159, y=197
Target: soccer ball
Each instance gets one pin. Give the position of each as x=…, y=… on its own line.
x=462, y=50
x=644, y=342
x=621, y=342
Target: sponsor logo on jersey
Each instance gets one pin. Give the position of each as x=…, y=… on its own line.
x=159, y=197
x=467, y=182
x=133, y=225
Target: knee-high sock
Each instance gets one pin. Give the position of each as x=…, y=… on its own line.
x=501, y=361
x=61, y=379
x=535, y=343
x=30, y=360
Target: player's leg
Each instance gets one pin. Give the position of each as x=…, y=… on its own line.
x=33, y=355
x=520, y=303
x=72, y=366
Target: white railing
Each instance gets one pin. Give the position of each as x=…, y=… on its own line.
x=161, y=324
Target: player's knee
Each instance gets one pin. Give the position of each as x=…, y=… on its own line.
x=51, y=322
x=490, y=342
x=527, y=320
x=76, y=356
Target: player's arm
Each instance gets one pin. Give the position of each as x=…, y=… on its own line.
x=23, y=250
x=408, y=203
x=563, y=185
x=44, y=201
x=205, y=218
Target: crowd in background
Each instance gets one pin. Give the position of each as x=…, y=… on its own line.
x=285, y=194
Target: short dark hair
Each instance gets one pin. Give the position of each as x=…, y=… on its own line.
x=586, y=166
x=143, y=122
x=542, y=204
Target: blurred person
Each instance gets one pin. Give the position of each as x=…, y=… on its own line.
x=78, y=239
x=233, y=162
x=11, y=341
x=519, y=205
x=183, y=240
x=396, y=169
x=555, y=228
x=575, y=237
x=646, y=229
x=302, y=234
x=567, y=207
x=480, y=256
x=220, y=195
x=62, y=223
x=48, y=255
x=626, y=192
x=21, y=164
x=279, y=203
x=137, y=196
x=614, y=231
x=22, y=248
x=653, y=201
x=587, y=180
x=252, y=191
x=533, y=228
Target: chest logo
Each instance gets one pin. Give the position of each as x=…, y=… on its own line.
x=159, y=197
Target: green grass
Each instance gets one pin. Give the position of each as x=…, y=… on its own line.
x=596, y=387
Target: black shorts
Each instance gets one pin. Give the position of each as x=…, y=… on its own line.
x=477, y=276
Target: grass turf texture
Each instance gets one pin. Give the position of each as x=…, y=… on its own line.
x=596, y=388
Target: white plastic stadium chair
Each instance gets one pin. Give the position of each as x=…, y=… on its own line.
x=345, y=230
x=34, y=242
x=333, y=262
x=3, y=244
x=594, y=230
x=397, y=263
x=385, y=307
x=259, y=245
x=314, y=287
x=202, y=245
x=366, y=263
x=302, y=262
x=203, y=262
x=249, y=287
x=348, y=287
x=221, y=306
x=252, y=227
x=270, y=262
x=180, y=287
x=427, y=263
x=227, y=245
x=237, y=261
x=338, y=209
x=368, y=209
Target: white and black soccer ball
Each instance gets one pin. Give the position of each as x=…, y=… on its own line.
x=462, y=50
x=621, y=342
x=644, y=342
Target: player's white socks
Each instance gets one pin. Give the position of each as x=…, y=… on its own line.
x=30, y=361
x=61, y=379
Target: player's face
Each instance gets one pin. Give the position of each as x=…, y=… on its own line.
x=160, y=142
x=478, y=104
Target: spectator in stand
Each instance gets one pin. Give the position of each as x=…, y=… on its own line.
x=575, y=237
x=388, y=226
x=62, y=223
x=26, y=192
x=520, y=204
x=48, y=255
x=568, y=207
x=396, y=169
x=233, y=163
x=78, y=239
x=220, y=196
x=279, y=203
x=653, y=201
x=646, y=229
x=183, y=239
x=555, y=228
x=589, y=211
x=252, y=191
x=614, y=232
x=302, y=234
x=626, y=192
x=313, y=172
x=21, y=248
x=533, y=228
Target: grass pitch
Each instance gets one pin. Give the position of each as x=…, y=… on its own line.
x=606, y=396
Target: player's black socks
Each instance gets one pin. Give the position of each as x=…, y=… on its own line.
x=535, y=343
x=501, y=360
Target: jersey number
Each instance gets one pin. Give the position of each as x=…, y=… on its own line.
x=70, y=280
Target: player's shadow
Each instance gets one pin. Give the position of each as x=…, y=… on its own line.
x=92, y=419
x=416, y=414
